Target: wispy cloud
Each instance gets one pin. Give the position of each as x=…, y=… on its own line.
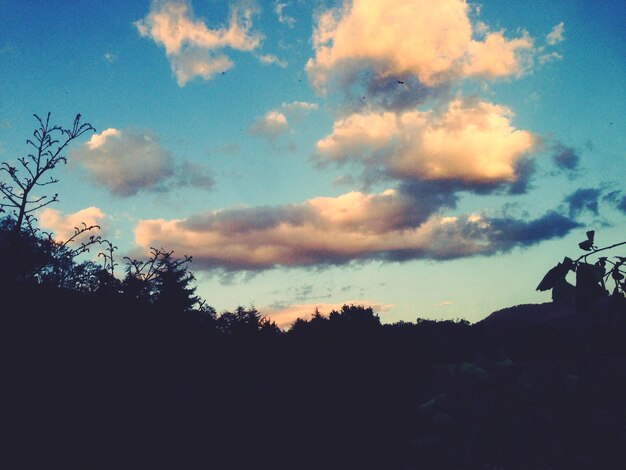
x=555, y=36
x=279, y=9
x=298, y=109
x=271, y=59
x=550, y=57
x=565, y=158
x=583, y=199
x=109, y=57
x=195, y=50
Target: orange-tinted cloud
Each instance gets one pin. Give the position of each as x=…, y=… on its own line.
x=468, y=141
x=339, y=230
x=63, y=227
x=285, y=316
x=433, y=41
x=195, y=50
x=271, y=125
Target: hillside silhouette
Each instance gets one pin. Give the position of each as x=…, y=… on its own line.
x=121, y=365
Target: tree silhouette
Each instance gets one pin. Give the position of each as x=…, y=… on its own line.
x=161, y=280
x=28, y=175
x=28, y=254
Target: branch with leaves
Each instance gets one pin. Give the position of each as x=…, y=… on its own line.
x=591, y=278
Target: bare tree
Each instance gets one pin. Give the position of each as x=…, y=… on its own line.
x=22, y=180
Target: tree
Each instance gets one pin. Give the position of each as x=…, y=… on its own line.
x=28, y=254
x=29, y=174
x=162, y=280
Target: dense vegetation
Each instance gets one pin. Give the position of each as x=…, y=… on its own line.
x=104, y=370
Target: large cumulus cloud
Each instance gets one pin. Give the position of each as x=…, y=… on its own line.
x=433, y=41
x=340, y=230
x=470, y=141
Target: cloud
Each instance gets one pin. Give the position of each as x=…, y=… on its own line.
x=271, y=125
x=616, y=199
x=555, y=36
x=63, y=227
x=432, y=41
x=443, y=303
x=195, y=50
x=279, y=8
x=298, y=109
x=269, y=59
x=340, y=230
x=550, y=57
x=110, y=57
x=126, y=162
x=470, y=141
x=583, y=199
x=505, y=233
x=284, y=316
x=565, y=158
x=194, y=175
x=621, y=205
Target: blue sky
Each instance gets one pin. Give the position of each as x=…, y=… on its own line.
x=431, y=160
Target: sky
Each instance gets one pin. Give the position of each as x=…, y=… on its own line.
x=428, y=159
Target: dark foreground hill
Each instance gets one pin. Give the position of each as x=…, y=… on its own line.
x=96, y=382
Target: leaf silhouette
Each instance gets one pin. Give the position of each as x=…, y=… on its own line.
x=587, y=245
x=555, y=274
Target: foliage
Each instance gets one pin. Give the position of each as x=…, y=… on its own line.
x=593, y=279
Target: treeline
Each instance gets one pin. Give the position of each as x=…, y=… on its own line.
x=137, y=372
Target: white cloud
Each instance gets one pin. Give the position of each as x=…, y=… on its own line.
x=269, y=59
x=555, y=36
x=550, y=57
x=195, y=50
x=63, y=227
x=110, y=57
x=276, y=122
x=279, y=8
x=469, y=141
x=198, y=63
x=297, y=110
x=271, y=125
x=432, y=41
